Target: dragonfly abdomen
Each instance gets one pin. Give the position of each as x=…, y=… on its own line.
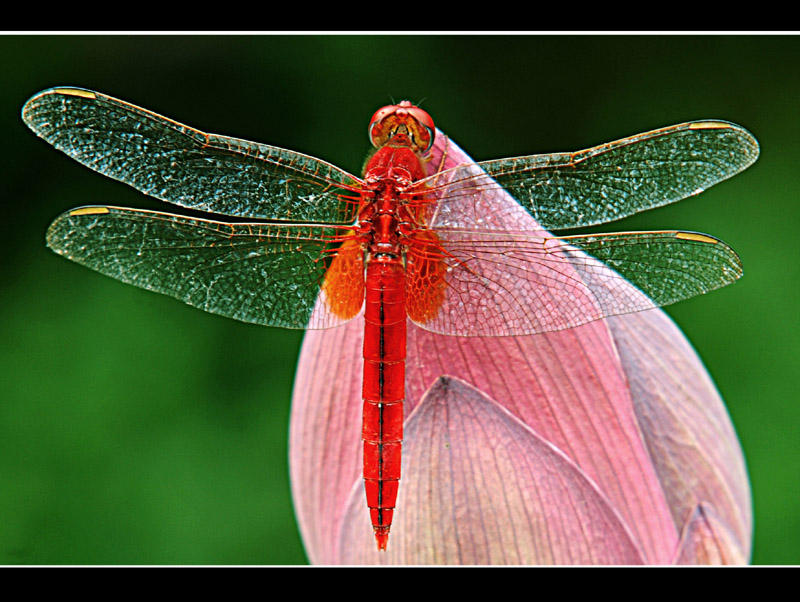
x=383, y=388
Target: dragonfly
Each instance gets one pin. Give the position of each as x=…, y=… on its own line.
x=408, y=240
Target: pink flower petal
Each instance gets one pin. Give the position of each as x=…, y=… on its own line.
x=685, y=425
x=482, y=488
x=569, y=388
x=707, y=540
x=325, y=435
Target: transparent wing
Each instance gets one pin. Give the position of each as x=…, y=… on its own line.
x=181, y=165
x=500, y=284
x=606, y=182
x=266, y=274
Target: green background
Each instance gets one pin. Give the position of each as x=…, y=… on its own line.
x=134, y=429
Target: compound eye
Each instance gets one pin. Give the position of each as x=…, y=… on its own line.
x=381, y=114
x=378, y=131
x=388, y=120
x=426, y=121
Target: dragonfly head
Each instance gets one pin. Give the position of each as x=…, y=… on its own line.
x=403, y=125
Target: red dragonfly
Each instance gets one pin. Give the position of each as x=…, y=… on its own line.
x=408, y=240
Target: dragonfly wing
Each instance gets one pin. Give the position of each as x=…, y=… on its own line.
x=501, y=284
x=610, y=181
x=268, y=274
x=181, y=165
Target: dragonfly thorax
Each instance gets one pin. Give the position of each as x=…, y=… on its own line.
x=384, y=217
x=393, y=168
x=382, y=223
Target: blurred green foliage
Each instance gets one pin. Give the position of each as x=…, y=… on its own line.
x=134, y=429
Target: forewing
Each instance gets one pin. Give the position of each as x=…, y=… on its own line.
x=181, y=165
x=266, y=274
x=606, y=182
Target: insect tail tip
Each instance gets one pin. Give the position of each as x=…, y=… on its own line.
x=382, y=538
